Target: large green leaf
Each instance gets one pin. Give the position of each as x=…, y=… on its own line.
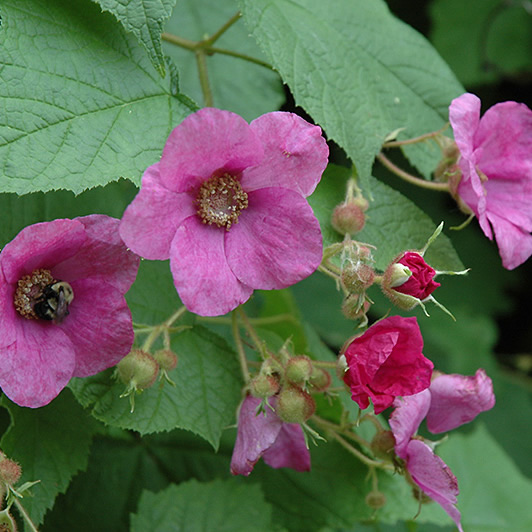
x=237, y=85
x=232, y=505
x=51, y=444
x=143, y=18
x=204, y=399
x=358, y=71
x=81, y=104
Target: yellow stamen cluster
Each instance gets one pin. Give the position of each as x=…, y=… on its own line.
x=30, y=288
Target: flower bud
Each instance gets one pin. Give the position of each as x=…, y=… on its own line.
x=7, y=523
x=375, y=499
x=341, y=367
x=166, y=359
x=320, y=379
x=355, y=306
x=10, y=471
x=357, y=278
x=298, y=370
x=264, y=386
x=294, y=405
x=383, y=445
x=349, y=217
x=138, y=369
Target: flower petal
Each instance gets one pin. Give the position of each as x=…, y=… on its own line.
x=256, y=434
x=38, y=365
x=289, y=449
x=458, y=399
x=407, y=417
x=295, y=154
x=434, y=477
x=206, y=142
x=99, y=326
x=150, y=221
x=103, y=256
x=41, y=245
x=276, y=242
x=202, y=277
x=514, y=243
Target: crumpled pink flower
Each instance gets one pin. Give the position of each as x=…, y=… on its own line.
x=226, y=203
x=450, y=401
x=421, y=283
x=386, y=362
x=265, y=435
x=38, y=356
x=496, y=166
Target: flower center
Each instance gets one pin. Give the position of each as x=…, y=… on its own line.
x=220, y=201
x=40, y=296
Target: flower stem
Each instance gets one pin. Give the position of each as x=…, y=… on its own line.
x=239, y=347
x=423, y=183
x=217, y=34
x=415, y=140
x=251, y=331
x=25, y=515
x=201, y=60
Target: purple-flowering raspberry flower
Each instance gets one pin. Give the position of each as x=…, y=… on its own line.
x=450, y=401
x=264, y=435
x=496, y=167
x=226, y=204
x=62, y=308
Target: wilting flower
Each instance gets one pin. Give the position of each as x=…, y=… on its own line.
x=496, y=172
x=226, y=203
x=386, y=362
x=62, y=308
x=265, y=435
x=450, y=401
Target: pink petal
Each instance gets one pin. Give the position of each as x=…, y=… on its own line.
x=457, y=399
x=295, y=155
x=514, y=243
x=289, y=449
x=407, y=417
x=433, y=476
x=276, y=242
x=202, y=277
x=38, y=365
x=208, y=141
x=8, y=314
x=41, y=245
x=103, y=256
x=150, y=221
x=256, y=434
x=100, y=328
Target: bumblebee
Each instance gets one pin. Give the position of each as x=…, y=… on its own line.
x=53, y=303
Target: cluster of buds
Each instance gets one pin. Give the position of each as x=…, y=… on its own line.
x=139, y=370
x=349, y=217
x=291, y=380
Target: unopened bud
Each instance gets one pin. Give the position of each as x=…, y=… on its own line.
x=138, y=369
x=320, y=379
x=7, y=523
x=383, y=445
x=375, y=499
x=166, y=359
x=341, y=367
x=355, y=306
x=294, y=405
x=264, y=386
x=298, y=370
x=349, y=218
x=357, y=278
x=10, y=472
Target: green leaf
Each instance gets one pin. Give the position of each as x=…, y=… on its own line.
x=393, y=223
x=204, y=399
x=81, y=103
x=232, y=505
x=357, y=70
x=143, y=18
x=503, y=503
x=51, y=444
x=496, y=35
x=237, y=85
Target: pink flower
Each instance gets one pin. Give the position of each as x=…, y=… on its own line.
x=226, y=203
x=496, y=166
x=420, y=283
x=62, y=307
x=385, y=362
x=450, y=401
x=280, y=444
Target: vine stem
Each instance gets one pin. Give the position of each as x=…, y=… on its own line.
x=239, y=347
x=431, y=185
x=25, y=515
x=201, y=60
x=415, y=140
x=251, y=331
